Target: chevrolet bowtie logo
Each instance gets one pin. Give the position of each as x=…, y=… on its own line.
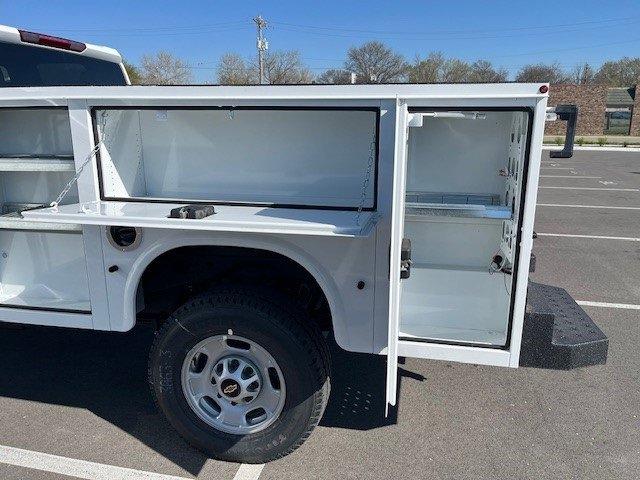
x=229, y=389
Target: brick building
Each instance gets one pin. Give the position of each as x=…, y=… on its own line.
x=599, y=107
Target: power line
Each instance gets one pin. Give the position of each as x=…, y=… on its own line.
x=452, y=32
x=152, y=29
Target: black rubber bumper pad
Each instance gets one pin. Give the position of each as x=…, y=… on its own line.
x=558, y=334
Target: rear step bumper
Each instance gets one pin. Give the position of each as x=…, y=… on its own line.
x=557, y=333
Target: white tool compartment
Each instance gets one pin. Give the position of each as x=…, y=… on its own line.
x=337, y=175
x=42, y=265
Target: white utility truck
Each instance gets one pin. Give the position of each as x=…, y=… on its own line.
x=251, y=222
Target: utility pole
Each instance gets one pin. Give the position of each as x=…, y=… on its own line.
x=262, y=45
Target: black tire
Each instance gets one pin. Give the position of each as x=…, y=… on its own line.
x=275, y=323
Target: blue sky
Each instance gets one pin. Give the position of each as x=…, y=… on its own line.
x=508, y=33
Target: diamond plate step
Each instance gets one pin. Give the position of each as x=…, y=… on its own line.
x=557, y=333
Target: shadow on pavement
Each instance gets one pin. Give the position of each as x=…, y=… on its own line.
x=106, y=373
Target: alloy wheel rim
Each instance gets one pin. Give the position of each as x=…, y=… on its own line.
x=233, y=384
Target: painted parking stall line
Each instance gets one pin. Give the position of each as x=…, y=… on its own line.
x=611, y=207
x=597, y=189
x=624, y=306
x=593, y=237
x=566, y=176
x=249, y=471
x=75, y=468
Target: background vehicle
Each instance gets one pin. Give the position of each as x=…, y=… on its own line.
x=29, y=59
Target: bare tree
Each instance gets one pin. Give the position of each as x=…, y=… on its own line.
x=428, y=70
x=582, y=74
x=134, y=73
x=233, y=70
x=437, y=68
x=165, y=69
x=285, y=67
x=541, y=72
x=336, y=76
x=374, y=62
x=455, y=71
x=483, y=71
x=620, y=73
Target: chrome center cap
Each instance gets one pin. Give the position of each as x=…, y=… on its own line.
x=237, y=379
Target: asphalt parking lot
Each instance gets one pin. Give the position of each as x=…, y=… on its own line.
x=83, y=395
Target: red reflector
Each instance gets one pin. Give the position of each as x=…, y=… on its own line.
x=544, y=89
x=49, y=41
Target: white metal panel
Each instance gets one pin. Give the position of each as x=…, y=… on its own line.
x=516, y=93
x=337, y=264
x=397, y=231
x=526, y=233
x=43, y=269
x=457, y=155
x=458, y=305
x=45, y=317
x=305, y=157
x=454, y=353
x=96, y=271
x=35, y=132
x=83, y=144
x=226, y=218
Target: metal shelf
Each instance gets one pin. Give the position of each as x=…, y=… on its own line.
x=37, y=164
x=497, y=212
x=15, y=221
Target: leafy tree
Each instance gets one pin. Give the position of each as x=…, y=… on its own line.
x=374, y=62
x=233, y=70
x=134, y=73
x=483, y=71
x=540, y=73
x=619, y=73
x=336, y=76
x=285, y=67
x=164, y=69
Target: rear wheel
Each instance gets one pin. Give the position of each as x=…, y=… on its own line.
x=241, y=373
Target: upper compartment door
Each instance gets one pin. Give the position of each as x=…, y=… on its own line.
x=397, y=229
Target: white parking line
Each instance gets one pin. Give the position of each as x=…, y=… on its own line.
x=249, y=472
x=627, y=306
x=597, y=188
x=587, y=206
x=75, y=468
x=556, y=168
x=595, y=237
x=565, y=176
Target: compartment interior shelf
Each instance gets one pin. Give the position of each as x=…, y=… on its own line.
x=458, y=210
x=15, y=221
x=467, y=205
x=37, y=164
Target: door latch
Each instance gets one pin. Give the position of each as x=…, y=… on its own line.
x=405, y=258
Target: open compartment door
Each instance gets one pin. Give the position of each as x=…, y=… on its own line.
x=228, y=218
x=395, y=255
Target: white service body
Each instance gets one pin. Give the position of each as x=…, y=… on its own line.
x=332, y=177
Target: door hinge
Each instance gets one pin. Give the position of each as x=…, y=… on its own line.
x=405, y=258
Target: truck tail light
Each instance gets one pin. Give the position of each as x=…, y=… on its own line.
x=49, y=41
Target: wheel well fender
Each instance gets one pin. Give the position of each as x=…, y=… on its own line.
x=279, y=246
